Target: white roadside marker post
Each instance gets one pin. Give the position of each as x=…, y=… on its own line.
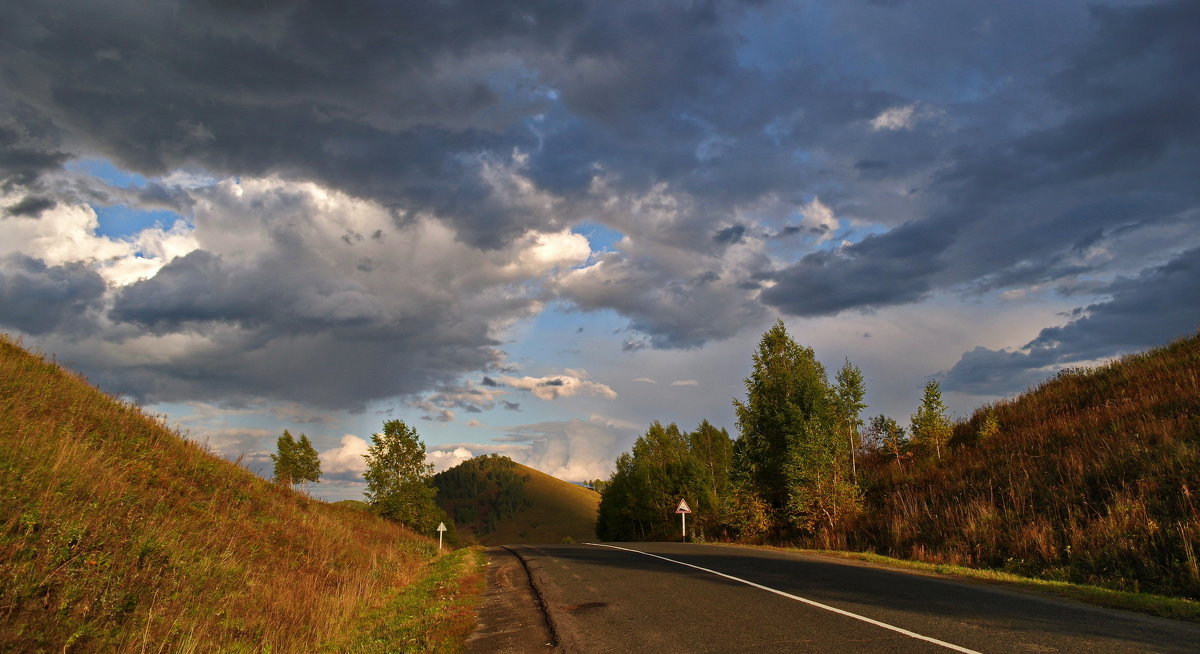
x=683, y=509
x=441, y=530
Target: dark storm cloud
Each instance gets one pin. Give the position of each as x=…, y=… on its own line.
x=31, y=206
x=193, y=288
x=37, y=299
x=285, y=326
x=285, y=311
x=1021, y=141
x=401, y=102
x=28, y=146
x=1013, y=211
x=1151, y=309
x=328, y=369
x=731, y=234
x=662, y=301
x=392, y=99
x=881, y=270
x=407, y=103
x=278, y=292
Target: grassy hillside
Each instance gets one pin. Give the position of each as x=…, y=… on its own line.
x=118, y=535
x=494, y=500
x=1093, y=477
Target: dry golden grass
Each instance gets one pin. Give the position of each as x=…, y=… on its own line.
x=118, y=535
x=1091, y=479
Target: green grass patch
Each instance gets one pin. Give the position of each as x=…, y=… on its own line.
x=434, y=614
x=1158, y=605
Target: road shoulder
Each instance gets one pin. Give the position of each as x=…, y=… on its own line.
x=510, y=616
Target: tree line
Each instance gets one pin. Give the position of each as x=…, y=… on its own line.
x=399, y=480
x=793, y=471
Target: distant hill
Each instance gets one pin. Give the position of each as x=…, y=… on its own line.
x=354, y=505
x=494, y=500
x=118, y=535
x=1093, y=476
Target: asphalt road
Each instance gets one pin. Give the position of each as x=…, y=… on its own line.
x=602, y=599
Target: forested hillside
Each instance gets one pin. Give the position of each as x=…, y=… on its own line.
x=1089, y=477
x=118, y=535
x=494, y=500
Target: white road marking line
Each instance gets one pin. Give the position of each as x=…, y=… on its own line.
x=819, y=605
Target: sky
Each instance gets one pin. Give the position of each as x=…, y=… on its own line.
x=534, y=227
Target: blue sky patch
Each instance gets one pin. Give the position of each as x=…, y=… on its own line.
x=120, y=221
x=108, y=172
x=600, y=237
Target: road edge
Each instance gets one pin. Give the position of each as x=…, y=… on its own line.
x=538, y=584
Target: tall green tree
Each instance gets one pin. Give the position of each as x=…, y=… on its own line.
x=296, y=462
x=930, y=427
x=308, y=463
x=399, y=481
x=788, y=443
x=787, y=405
x=713, y=451
x=285, y=459
x=848, y=395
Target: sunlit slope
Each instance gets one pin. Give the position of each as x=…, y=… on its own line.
x=116, y=534
x=1094, y=476
x=535, y=508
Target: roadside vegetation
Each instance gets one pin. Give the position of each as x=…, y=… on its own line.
x=119, y=535
x=435, y=614
x=1089, y=478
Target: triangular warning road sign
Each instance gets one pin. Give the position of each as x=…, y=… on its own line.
x=683, y=507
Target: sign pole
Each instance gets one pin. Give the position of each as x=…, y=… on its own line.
x=441, y=530
x=683, y=509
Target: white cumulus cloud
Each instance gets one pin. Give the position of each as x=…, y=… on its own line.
x=347, y=457
x=552, y=387
x=67, y=233
x=445, y=459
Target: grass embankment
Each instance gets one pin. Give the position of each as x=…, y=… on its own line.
x=1091, y=480
x=117, y=534
x=480, y=496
